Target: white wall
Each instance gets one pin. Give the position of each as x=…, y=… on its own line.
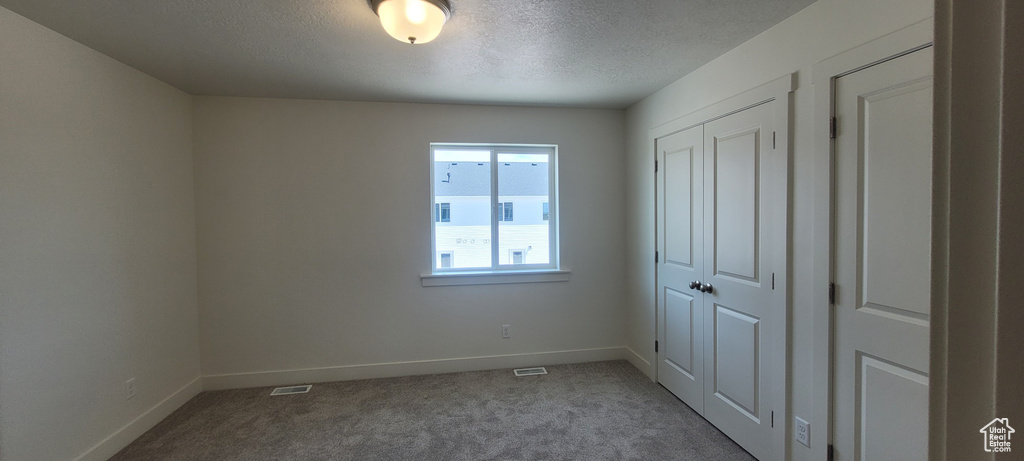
x=822, y=30
x=314, y=227
x=98, y=255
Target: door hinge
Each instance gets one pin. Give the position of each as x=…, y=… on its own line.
x=655, y=346
x=831, y=293
x=773, y=281
x=773, y=140
x=655, y=257
x=655, y=166
x=773, y=419
x=833, y=127
x=831, y=452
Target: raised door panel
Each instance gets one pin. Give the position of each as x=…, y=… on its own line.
x=885, y=390
x=735, y=361
x=735, y=205
x=679, y=319
x=679, y=209
x=896, y=199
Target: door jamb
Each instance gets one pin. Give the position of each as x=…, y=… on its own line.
x=824, y=74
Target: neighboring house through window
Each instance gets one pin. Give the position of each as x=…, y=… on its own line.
x=476, y=191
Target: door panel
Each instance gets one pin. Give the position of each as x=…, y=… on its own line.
x=896, y=198
x=679, y=209
x=679, y=320
x=735, y=204
x=681, y=309
x=887, y=389
x=883, y=155
x=737, y=223
x=735, y=362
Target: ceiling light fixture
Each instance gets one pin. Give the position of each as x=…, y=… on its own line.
x=412, y=21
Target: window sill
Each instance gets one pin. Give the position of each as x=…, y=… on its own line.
x=494, y=278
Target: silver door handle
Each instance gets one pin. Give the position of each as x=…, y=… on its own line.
x=707, y=288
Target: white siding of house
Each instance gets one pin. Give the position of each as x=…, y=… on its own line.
x=468, y=234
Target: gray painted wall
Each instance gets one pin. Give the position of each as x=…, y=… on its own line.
x=97, y=244
x=314, y=227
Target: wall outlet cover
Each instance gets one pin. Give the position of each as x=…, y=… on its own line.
x=803, y=432
x=129, y=389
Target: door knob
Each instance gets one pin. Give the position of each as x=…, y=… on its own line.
x=707, y=288
x=695, y=284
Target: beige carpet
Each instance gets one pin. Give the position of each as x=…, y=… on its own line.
x=591, y=411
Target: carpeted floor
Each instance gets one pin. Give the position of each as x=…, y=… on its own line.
x=590, y=411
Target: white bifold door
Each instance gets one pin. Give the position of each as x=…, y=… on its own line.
x=882, y=250
x=716, y=270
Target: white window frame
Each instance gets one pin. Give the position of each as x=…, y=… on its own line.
x=533, y=272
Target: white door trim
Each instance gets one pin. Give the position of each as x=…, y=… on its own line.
x=824, y=74
x=777, y=90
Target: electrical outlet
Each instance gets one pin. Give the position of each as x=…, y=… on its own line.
x=129, y=389
x=504, y=331
x=803, y=432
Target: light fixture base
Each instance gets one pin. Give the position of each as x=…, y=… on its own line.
x=443, y=5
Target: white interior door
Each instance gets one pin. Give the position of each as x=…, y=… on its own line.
x=738, y=208
x=681, y=261
x=883, y=191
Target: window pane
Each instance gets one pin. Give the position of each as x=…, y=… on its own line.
x=446, y=212
x=523, y=234
x=462, y=190
x=507, y=212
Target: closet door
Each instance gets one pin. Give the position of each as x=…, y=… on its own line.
x=882, y=250
x=681, y=261
x=738, y=279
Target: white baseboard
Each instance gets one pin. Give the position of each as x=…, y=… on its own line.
x=129, y=432
x=420, y=367
x=639, y=362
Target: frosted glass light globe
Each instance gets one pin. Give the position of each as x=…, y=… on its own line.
x=412, y=21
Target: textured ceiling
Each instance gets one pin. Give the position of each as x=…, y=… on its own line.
x=581, y=53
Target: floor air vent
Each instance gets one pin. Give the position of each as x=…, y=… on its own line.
x=530, y=371
x=292, y=390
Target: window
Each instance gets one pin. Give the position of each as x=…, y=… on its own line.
x=504, y=211
x=484, y=185
x=446, y=259
x=442, y=212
